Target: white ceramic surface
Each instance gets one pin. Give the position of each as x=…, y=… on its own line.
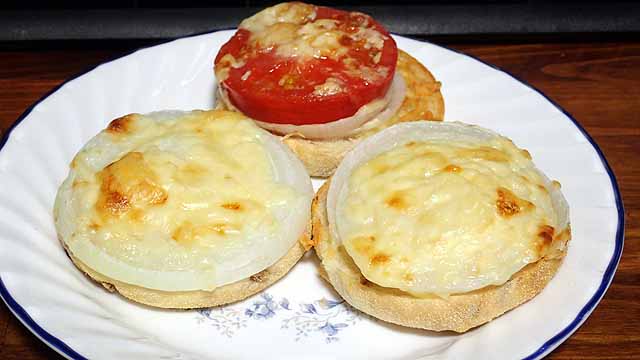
x=300, y=316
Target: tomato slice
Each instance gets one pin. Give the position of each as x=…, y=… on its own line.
x=313, y=67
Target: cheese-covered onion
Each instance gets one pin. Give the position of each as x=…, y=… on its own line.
x=181, y=201
x=444, y=208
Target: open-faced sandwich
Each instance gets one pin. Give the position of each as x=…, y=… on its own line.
x=439, y=225
x=323, y=79
x=185, y=209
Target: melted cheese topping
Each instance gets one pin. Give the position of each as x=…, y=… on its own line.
x=329, y=87
x=293, y=13
x=294, y=32
x=446, y=217
x=192, y=194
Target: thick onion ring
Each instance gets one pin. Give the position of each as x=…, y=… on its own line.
x=401, y=134
x=293, y=218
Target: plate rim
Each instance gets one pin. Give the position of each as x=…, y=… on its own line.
x=65, y=350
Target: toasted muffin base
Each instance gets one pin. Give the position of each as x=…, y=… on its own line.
x=423, y=101
x=200, y=298
x=457, y=313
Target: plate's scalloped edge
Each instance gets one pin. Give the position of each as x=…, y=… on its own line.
x=56, y=344
x=65, y=350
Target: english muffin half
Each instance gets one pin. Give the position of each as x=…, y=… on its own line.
x=439, y=226
x=184, y=209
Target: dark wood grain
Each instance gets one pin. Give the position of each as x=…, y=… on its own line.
x=598, y=83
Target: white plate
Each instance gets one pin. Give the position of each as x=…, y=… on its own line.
x=300, y=316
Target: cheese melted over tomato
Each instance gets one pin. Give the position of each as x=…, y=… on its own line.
x=294, y=31
x=446, y=217
x=306, y=54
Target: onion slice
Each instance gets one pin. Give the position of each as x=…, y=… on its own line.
x=415, y=131
x=257, y=253
x=398, y=135
x=367, y=117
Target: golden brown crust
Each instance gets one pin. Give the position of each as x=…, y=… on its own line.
x=458, y=312
x=200, y=299
x=423, y=101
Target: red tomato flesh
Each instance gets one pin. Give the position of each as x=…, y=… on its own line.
x=276, y=89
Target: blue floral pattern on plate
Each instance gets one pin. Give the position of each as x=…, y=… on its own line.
x=324, y=318
x=263, y=308
x=226, y=320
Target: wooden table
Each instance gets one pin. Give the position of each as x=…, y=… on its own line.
x=598, y=83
